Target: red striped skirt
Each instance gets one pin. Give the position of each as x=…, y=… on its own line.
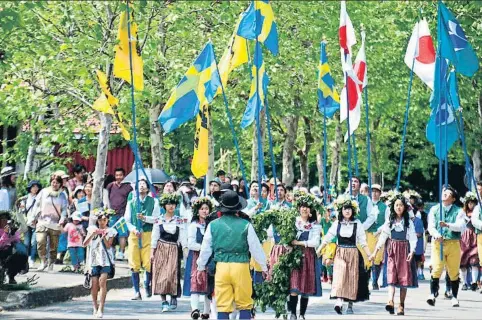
x=166, y=269
x=302, y=280
x=199, y=284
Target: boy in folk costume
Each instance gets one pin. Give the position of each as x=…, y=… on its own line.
x=232, y=240
x=446, y=231
x=140, y=228
x=374, y=232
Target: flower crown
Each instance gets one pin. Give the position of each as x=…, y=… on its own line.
x=169, y=198
x=411, y=193
x=103, y=212
x=345, y=200
x=306, y=199
x=470, y=196
x=393, y=195
x=198, y=202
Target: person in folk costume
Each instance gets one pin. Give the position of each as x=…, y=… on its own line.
x=140, y=225
x=306, y=281
x=446, y=231
x=400, y=240
x=195, y=286
x=468, y=244
x=374, y=232
x=328, y=252
x=367, y=215
x=476, y=220
x=166, y=252
x=350, y=277
x=232, y=239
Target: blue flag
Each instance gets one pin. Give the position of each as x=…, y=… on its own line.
x=328, y=99
x=258, y=72
x=442, y=126
x=454, y=45
x=196, y=88
x=258, y=21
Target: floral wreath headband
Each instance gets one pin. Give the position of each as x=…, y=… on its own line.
x=470, y=196
x=411, y=193
x=306, y=199
x=346, y=200
x=198, y=203
x=169, y=198
x=98, y=212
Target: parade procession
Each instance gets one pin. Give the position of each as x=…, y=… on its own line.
x=159, y=164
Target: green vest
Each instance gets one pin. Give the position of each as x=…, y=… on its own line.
x=380, y=218
x=362, y=203
x=230, y=239
x=146, y=207
x=477, y=230
x=448, y=217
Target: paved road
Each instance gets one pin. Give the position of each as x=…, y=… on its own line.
x=119, y=306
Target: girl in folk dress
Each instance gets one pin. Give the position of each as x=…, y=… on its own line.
x=101, y=259
x=196, y=284
x=468, y=245
x=306, y=281
x=350, y=278
x=166, y=252
x=400, y=269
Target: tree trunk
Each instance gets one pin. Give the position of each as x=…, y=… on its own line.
x=254, y=155
x=291, y=123
x=156, y=137
x=32, y=151
x=320, y=167
x=476, y=154
x=335, y=157
x=304, y=152
x=101, y=160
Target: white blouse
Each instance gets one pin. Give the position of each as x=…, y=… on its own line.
x=170, y=227
x=346, y=230
x=97, y=253
x=314, y=232
x=191, y=235
x=386, y=233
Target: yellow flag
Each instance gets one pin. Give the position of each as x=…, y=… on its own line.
x=124, y=132
x=121, y=60
x=106, y=89
x=235, y=55
x=103, y=105
x=200, y=159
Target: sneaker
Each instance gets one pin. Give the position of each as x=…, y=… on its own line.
x=431, y=300
x=448, y=295
x=31, y=262
x=94, y=313
x=349, y=309
x=455, y=302
x=165, y=306
x=137, y=296
x=473, y=286
x=464, y=287
x=205, y=316
x=195, y=314
x=173, y=304
x=339, y=309
x=420, y=277
x=99, y=315
x=119, y=256
x=42, y=266
x=375, y=286
x=293, y=316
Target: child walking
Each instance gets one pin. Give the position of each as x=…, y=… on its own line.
x=75, y=238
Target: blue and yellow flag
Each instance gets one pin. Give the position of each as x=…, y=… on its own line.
x=328, y=99
x=121, y=226
x=200, y=159
x=196, y=88
x=258, y=21
x=258, y=92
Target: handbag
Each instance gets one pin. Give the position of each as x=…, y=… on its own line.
x=87, y=281
x=112, y=266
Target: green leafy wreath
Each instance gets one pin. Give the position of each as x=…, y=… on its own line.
x=273, y=293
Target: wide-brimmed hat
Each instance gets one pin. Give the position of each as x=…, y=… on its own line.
x=222, y=189
x=77, y=189
x=33, y=183
x=7, y=171
x=230, y=202
x=377, y=186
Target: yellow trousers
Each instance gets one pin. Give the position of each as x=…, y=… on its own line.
x=267, y=246
x=232, y=283
x=479, y=246
x=451, y=259
x=139, y=257
x=372, y=243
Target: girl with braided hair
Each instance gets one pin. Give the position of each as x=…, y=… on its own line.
x=196, y=282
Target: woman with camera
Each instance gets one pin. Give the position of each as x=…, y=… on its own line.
x=11, y=260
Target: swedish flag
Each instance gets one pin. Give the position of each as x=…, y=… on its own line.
x=121, y=226
x=197, y=87
x=258, y=72
x=328, y=99
x=258, y=21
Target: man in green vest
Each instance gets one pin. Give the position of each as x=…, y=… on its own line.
x=477, y=222
x=140, y=225
x=367, y=215
x=373, y=233
x=232, y=240
x=446, y=230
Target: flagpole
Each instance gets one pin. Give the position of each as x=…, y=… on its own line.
x=369, y=163
x=355, y=155
x=440, y=182
x=270, y=138
x=133, y=107
x=258, y=110
x=325, y=191
x=348, y=127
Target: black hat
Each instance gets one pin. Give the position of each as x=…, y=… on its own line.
x=230, y=202
x=223, y=188
x=34, y=183
x=5, y=215
x=215, y=181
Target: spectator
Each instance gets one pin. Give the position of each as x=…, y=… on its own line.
x=75, y=236
x=289, y=194
x=214, y=186
x=298, y=185
x=78, y=172
x=27, y=206
x=12, y=261
x=242, y=189
x=235, y=185
x=85, y=203
x=281, y=202
x=364, y=189
x=50, y=212
x=221, y=175
x=118, y=194
x=9, y=176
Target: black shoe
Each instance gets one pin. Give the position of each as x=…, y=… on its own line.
x=473, y=287
x=339, y=309
x=205, y=316
x=11, y=280
x=148, y=292
x=195, y=314
x=302, y=317
x=390, y=307
x=464, y=287
x=375, y=286
x=448, y=295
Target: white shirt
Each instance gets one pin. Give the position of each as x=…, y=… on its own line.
x=97, y=253
x=314, y=232
x=4, y=200
x=398, y=226
x=457, y=226
x=372, y=213
x=254, y=245
x=191, y=235
x=476, y=221
x=156, y=212
x=169, y=226
x=346, y=231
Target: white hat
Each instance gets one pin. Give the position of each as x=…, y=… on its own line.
x=235, y=182
x=377, y=186
x=7, y=171
x=76, y=216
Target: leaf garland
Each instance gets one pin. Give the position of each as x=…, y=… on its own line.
x=273, y=293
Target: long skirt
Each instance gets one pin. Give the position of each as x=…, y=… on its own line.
x=398, y=271
x=166, y=270
x=192, y=282
x=350, y=278
x=306, y=280
x=277, y=251
x=468, y=248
